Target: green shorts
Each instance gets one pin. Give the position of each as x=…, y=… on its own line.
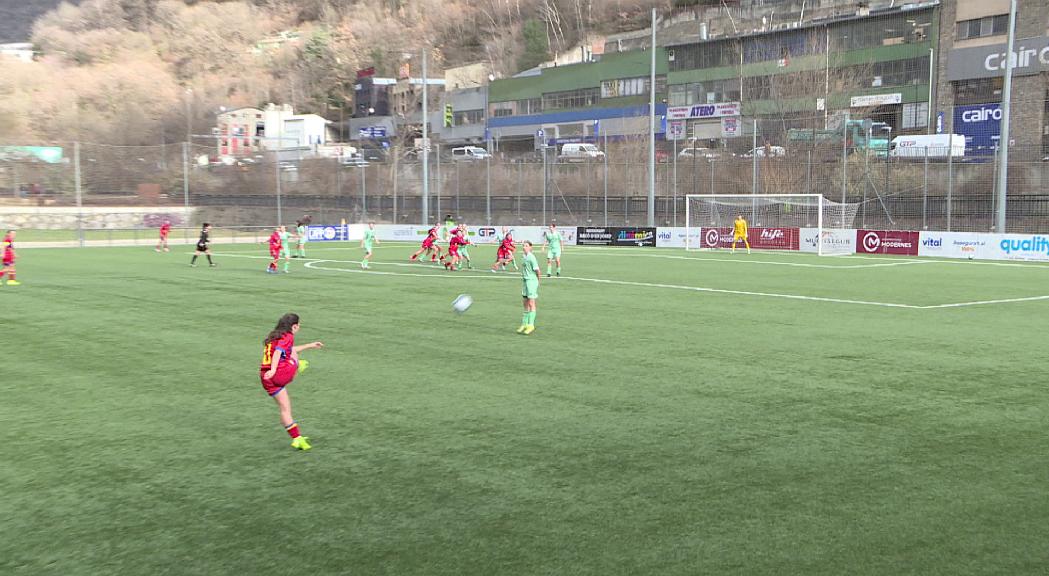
x=284, y=253
x=553, y=254
x=530, y=289
x=368, y=248
x=464, y=252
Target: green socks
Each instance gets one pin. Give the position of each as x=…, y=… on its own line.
x=524, y=319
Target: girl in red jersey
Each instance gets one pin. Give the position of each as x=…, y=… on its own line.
x=430, y=246
x=165, y=229
x=458, y=239
x=9, y=260
x=280, y=364
x=275, y=248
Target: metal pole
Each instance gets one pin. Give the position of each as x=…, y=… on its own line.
x=950, y=187
x=79, y=194
x=488, y=190
x=1003, y=172
x=606, y=178
x=925, y=192
x=652, y=131
x=546, y=178
x=844, y=156
x=185, y=179
x=808, y=174
x=674, y=180
x=457, y=191
x=710, y=163
x=754, y=158
x=276, y=163
x=932, y=86
x=438, y=188
x=426, y=144
x=364, y=191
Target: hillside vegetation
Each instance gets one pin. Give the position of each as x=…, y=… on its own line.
x=146, y=71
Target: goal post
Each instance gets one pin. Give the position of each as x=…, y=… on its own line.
x=776, y=221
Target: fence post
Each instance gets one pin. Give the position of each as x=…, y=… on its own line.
x=79, y=194
x=844, y=158
x=488, y=190
x=925, y=190
x=808, y=174
x=674, y=179
x=364, y=191
x=546, y=180
x=185, y=185
x=710, y=163
x=457, y=190
x=606, y=179
x=753, y=160
x=437, y=185
x=276, y=163
x=950, y=185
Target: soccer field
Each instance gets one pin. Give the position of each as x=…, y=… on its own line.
x=674, y=413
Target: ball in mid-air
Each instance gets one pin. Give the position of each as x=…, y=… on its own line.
x=462, y=303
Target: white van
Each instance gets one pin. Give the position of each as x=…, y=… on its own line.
x=580, y=153
x=470, y=153
x=937, y=145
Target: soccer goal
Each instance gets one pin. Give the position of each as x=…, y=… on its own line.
x=807, y=222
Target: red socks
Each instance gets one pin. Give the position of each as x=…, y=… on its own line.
x=293, y=430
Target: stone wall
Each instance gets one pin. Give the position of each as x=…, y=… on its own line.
x=66, y=218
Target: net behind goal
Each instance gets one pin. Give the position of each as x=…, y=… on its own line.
x=806, y=222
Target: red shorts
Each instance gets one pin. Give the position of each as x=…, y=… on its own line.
x=427, y=243
x=502, y=254
x=285, y=374
x=453, y=250
x=274, y=253
x=9, y=259
x=163, y=235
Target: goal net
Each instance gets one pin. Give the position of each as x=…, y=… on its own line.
x=806, y=222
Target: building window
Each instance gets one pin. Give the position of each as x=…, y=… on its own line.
x=981, y=27
x=581, y=98
x=529, y=106
x=704, y=92
x=501, y=109
x=915, y=115
x=978, y=91
x=468, y=117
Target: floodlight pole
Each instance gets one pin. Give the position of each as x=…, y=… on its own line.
x=426, y=144
x=652, y=131
x=1003, y=172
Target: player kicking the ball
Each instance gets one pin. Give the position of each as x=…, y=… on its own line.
x=366, y=243
x=739, y=232
x=552, y=247
x=280, y=365
x=530, y=292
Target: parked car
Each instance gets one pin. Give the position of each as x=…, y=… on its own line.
x=766, y=151
x=289, y=167
x=580, y=153
x=469, y=153
x=708, y=153
x=373, y=154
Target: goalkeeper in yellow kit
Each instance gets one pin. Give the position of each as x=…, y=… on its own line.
x=739, y=232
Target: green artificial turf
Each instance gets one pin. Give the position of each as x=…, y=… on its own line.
x=644, y=428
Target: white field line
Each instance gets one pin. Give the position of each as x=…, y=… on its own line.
x=883, y=264
x=317, y=265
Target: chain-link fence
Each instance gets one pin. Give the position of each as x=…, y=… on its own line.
x=928, y=185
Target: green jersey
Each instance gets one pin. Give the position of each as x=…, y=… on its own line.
x=369, y=236
x=554, y=240
x=301, y=231
x=530, y=268
x=284, y=246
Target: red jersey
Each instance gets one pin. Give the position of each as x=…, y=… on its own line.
x=508, y=241
x=285, y=343
x=165, y=229
x=275, y=242
x=457, y=241
x=432, y=233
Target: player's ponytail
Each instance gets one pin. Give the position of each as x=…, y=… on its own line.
x=283, y=327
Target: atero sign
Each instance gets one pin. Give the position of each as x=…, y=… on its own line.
x=703, y=111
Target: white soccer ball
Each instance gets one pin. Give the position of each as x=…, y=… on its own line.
x=462, y=303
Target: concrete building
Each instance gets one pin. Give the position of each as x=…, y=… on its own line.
x=249, y=131
x=973, y=37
